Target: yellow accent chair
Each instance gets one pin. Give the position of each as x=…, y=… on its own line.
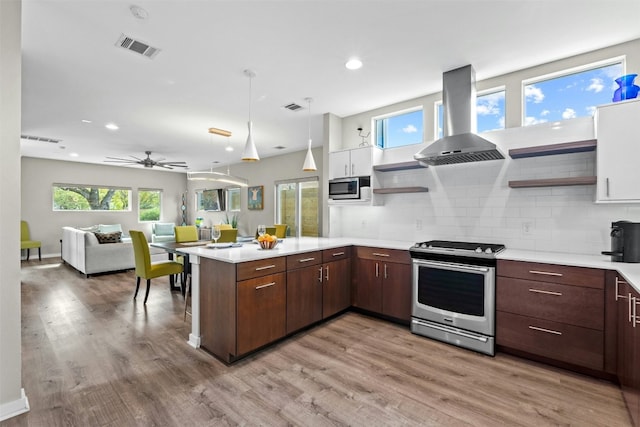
x=225, y=226
x=270, y=231
x=146, y=269
x=281, y=230
x=228, y=235
x=26, y=242
x=186, y=233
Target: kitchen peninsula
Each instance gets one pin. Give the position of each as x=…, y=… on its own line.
x=240, y=299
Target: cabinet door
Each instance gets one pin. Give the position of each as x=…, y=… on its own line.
x=361, y=163
x=616, y=131
x=336, y=287
x=627, y=348
x=261, y=311
x=368, y=285
x=396, y=291
x=304, y=297
x=339, y=164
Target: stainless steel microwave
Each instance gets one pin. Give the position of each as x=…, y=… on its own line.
x=348, y=188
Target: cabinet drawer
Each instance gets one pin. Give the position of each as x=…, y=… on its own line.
x=335, y=254
x=379, y=254
x=303, y=260
x=560, y=303
x=558, y=341
x=251, y=269
x=576, y=276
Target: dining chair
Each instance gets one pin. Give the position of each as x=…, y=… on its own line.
x=225, y=226
x=186, y=233
x=26, y=242
x=281, y=230
x=145, y=269
x=270, y=230
x=228, y=235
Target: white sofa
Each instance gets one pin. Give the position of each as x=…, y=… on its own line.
x=82, y=251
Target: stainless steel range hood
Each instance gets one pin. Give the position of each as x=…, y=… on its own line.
x=460, y=143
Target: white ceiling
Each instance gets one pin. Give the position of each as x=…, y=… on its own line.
x=72, y=70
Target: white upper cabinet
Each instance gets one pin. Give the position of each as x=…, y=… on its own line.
x=348, y=163
x=618, y=135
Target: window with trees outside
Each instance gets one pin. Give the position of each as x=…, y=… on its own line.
x=490, y=107
x=90, y=198
x=149, y=205
x=570, y=93
x=400, y=128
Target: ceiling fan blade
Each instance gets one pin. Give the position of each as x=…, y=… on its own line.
x=119, y=158
x=127, y=162
x=137, y=158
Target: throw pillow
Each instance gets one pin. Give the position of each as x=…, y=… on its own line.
x=164, y=229
x=110, y=228
x=115, y=237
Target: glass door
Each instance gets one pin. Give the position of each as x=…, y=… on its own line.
x=297, y=203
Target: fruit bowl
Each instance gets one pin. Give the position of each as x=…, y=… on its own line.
x=267, y=243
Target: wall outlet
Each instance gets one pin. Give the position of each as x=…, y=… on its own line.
x=527, y=226
x=418, y=224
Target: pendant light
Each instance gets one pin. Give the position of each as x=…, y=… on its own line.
x=309, y=163
x=250, y=154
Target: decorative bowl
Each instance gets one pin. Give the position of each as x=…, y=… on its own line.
x=266, y=244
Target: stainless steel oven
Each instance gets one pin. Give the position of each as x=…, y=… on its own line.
x=454, y=293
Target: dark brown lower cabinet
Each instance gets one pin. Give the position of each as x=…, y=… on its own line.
x=336, y=285
x=628, y=301
x=304, y=296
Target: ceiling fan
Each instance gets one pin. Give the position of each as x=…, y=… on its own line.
x=147, y=162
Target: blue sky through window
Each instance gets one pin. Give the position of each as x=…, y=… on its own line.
x=489, y=109
x=570, y=96
x=402, y=129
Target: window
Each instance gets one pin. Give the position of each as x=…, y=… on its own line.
x=399, y=129
x=210, y=200
x=489, y=110
x=571, y=93
x=149, y=205
x=70, y=197
x=233, y=199
x=297, y=202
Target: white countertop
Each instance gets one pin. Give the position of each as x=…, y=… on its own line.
x=289, y=246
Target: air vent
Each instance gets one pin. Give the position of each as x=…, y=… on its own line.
x=137, y=46
x=40, y=139
x=293, y=107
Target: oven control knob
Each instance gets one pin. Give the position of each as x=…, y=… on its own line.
x=479, y=249
x=488, y=251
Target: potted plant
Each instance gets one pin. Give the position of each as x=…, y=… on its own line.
x=233, y=220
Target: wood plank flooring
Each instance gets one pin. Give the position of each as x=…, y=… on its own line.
x=94, y=357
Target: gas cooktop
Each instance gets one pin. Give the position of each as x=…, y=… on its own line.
x=469, y=249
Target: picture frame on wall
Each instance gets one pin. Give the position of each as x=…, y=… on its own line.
x=255, y=197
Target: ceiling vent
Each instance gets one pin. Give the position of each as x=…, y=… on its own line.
x=137, y=46
x=293, y=107
x=40, y=139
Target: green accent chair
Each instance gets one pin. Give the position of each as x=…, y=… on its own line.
x=270, y=231
x=26, y=242
x=146, y=269
x=229, y=235
x=281, y=230
x=186, y=233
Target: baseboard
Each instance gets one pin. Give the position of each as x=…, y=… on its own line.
x=17, y=407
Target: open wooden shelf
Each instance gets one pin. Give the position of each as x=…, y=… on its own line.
x=553, y=149
x=391, y=167
x=393, y=190
x=553, y=182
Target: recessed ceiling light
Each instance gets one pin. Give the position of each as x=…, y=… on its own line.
x=138, y=12
x=353, y=64
x=229, y=148
x=86, y=121
x=111, y=126
x=74, y=154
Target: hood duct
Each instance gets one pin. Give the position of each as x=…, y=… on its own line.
x=460, y=143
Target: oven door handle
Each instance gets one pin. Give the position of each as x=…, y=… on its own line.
x=452, y=265
x=450, y=330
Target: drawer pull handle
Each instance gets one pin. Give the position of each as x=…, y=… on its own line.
x=326, y=277
x=266, y=267
x=540, y=291
x=306, y=259
x=618, y=282
x=549, y=331
x=265, y=286
x=337, y=254
x=545, y=273
x=379, y=254
x=635, y=311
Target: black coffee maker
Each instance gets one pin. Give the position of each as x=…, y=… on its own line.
x=625, y=242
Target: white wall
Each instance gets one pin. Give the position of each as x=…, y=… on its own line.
x=473, y=201
x=265, y=172
x=12, y=400
x=39, y=175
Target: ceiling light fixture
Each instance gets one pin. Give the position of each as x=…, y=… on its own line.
x=111, y=126
x=309, y=162
x=250, y=154
x=217, y=177
x=220, y=132
x=353, y=64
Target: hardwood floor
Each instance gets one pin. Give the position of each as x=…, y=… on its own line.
x=94, y=357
